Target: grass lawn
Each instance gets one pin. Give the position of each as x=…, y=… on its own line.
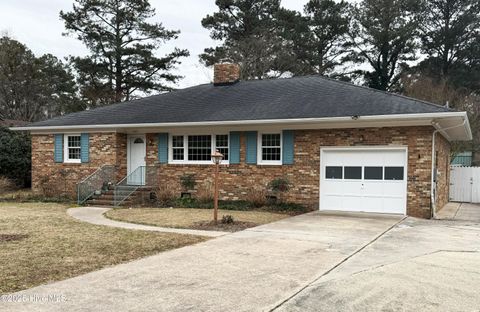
x=191, y=218
x=40, y=243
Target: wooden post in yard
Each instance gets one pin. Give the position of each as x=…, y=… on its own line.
x=217, y=159
x=215, y=199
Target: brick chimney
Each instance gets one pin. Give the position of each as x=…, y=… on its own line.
x=225, y=73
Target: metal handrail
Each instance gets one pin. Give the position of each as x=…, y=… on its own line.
x=120, y=196
x=98, y=169
x=141, y=176
x=94, y=182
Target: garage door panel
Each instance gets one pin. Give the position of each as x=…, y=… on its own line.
x=394, y=189
x=394, y=158
x=333, y=201
x=374, y=189
x=380, y=185
x=350, y=203
x=393, y=205
x=348, y=187
x=372, y=204
x=331, y=187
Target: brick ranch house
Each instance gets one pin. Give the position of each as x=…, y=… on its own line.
x=343, y=147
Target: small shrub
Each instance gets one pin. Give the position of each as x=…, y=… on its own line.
x=165, y=194
x=227, y=219
x=63, y=173
x=235, y=205
x=188, y=182
x=279, y=185
x=205, y=193
x=6, y=185
x=257, y=197
x=46, y=187
x=186, y=203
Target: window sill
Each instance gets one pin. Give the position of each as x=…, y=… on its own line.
x=206, y=163
x=72, y=162
x=269, y=164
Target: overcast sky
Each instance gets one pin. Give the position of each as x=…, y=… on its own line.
x=36, y=23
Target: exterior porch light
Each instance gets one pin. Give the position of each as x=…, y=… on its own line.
x=217, y=159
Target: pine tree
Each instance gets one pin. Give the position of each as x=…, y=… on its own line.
x=123, y=46
x=318, y=36
x=450, y=37
x=249, y=31
x=383, y=35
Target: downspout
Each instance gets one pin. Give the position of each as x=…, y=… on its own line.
x=433, y=182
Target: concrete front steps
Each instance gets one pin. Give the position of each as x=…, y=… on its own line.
x=107, y=198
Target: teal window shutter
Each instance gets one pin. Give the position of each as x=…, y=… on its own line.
x=163, y=148
x=85, y=147
x=287, y=148
x=251, y=147
x=58, y=149
x=234, y=148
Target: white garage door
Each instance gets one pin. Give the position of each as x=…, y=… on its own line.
x=367, y=180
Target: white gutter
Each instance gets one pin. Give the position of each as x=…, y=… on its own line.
x=433, y=180
x=250, y=122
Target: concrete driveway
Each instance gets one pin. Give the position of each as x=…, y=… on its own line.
x=460, y=212
x=419, y=265
x=252, y=270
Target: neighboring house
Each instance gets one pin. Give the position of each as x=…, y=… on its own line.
x=343, y=147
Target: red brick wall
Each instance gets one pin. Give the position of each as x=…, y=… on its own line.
x=121, y=155
x=443, y=171
x=239, y=180
x=61, y=178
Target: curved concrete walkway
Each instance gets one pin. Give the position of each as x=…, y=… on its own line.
x=95, y=215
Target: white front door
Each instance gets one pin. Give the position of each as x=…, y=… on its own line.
x=136, y=151
x=364, y=179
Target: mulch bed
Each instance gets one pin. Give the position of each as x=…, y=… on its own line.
x=219, y=226
x=12, y=237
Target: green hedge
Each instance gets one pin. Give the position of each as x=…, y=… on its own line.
x=15, y=156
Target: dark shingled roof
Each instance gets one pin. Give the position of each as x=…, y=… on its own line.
x=299, y=97
x=12, y=123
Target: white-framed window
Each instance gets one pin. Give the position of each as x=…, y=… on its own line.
x=270, y=148
x=221, y=144
x=197, y=148
x=178, y=148
x=72, y=148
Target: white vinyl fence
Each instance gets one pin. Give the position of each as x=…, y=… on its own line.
x=465, y=184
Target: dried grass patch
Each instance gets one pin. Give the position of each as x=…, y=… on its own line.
x=190, y=218
x=55, y=246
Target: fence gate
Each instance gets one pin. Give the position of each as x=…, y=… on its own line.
x=465, y=184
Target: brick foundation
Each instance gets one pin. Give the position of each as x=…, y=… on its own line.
x=239, y=180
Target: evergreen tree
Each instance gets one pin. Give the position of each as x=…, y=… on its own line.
x=383, y=35
x=450, y=37
x=122, y=46
x=33, y=88
x=15, y=156
x=318, y=36
x=250, y=35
